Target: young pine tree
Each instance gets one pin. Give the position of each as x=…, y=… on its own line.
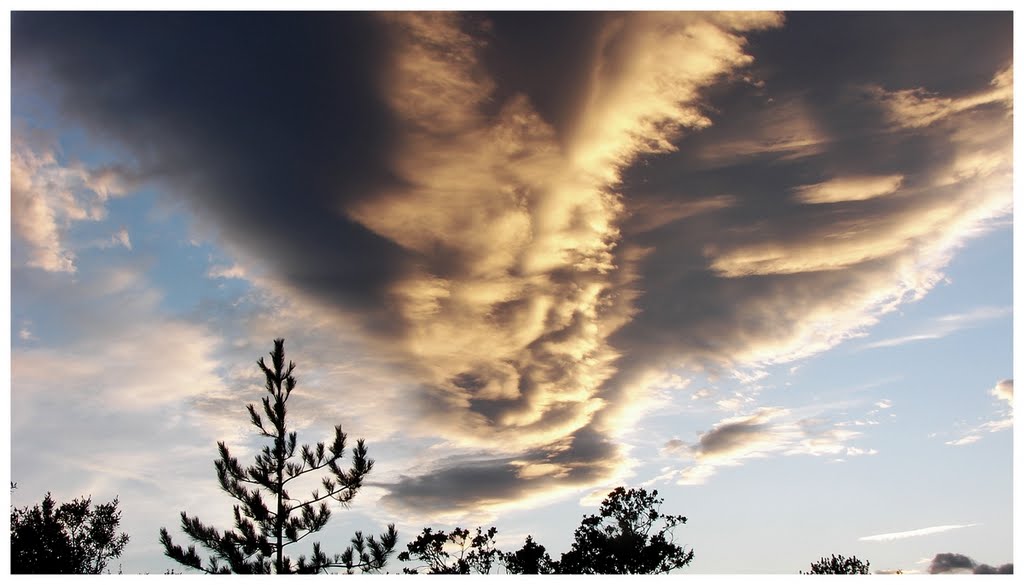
x=262, y=530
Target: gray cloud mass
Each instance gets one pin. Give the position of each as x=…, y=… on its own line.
x=958, y=563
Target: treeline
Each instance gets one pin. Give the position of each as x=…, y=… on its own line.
x=629, y=535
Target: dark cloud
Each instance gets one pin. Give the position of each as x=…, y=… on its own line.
x=737, y=267
x=958, y=563
x=734, y=436
x=821, y=51
x=552, y=64
x=984, y=569
x=466, y=485
x=266, y=123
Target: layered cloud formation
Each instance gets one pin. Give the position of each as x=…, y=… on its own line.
x=533, y=240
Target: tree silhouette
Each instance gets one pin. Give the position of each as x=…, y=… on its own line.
x=261, y=532
x=839, y=565
x=471, y=554
x=532, y=559
x=73, y=538
x=630, y=535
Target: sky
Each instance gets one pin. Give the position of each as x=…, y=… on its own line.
x=760, y=262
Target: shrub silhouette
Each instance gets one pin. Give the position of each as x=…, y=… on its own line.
x=475, y=554
x=531, y=559
x=73, y=538
x=839, y=565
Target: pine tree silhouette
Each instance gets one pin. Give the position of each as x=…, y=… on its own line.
x=262, y=531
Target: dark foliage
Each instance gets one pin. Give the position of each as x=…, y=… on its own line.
x=629, y=536
x=73, y=538
x=839, y=565
x=261, y=531
x=454, y=553
x=532, y=559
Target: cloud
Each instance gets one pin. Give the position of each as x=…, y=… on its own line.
x=25, y=332
x=768, y=431
x=531, y=255
x=233, y=271
x=745, y=266
x=515, y=323
x=965, y=440
x=912, y=533
x=1003, y=390
x=848, y=189
x=958, y=563
x=48, y=195
x=675, y=445
x=488, y=485
x=945, y=325
x=121, y=238
x=916, y=108
x=701, y=393
x=143, y=360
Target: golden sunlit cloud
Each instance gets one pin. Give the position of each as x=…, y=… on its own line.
x=916, y=108
x=512, y=306
x=1003, y=391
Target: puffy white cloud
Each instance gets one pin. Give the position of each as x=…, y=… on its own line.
x=1003, y=390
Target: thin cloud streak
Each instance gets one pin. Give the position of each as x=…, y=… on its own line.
x=1003, y=390
x=889, y=536
x=944, y=326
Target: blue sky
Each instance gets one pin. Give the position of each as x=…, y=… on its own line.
x=778, y=290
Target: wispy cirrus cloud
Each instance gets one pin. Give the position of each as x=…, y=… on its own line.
x=945, y=325
x=1003, y=390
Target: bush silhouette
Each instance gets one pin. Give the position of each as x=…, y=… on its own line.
x=72, y=538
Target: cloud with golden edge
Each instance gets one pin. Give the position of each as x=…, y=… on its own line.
x=512, y=305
